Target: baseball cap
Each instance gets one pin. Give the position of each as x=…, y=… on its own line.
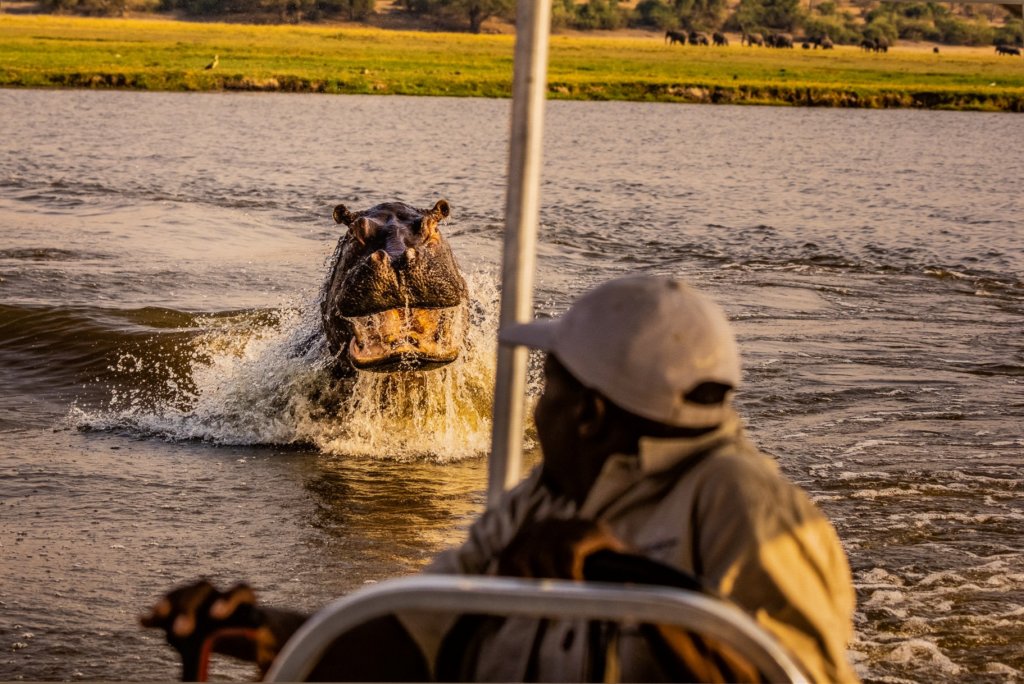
x=644, y=342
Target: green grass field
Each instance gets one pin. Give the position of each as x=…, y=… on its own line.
x=49, y=51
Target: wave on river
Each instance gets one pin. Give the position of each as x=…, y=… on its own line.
x=238, y=379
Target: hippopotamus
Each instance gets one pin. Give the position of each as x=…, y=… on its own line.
x=394, y=299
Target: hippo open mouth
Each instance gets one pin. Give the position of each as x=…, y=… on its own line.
x=406, y=339
x=395, y=299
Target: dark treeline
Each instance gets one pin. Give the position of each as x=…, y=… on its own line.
x=887, y=22
x=454, y=14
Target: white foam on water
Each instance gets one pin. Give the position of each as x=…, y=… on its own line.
x=945, y=578
x=961, y=476
x=865, y=475
x=878, y=578
x=254, y=384
x=917, y=653
x=890, y=492
x=1012, y=674
x=885, y=597
x=867, y=444
x=923, y=519
x=1007, y=582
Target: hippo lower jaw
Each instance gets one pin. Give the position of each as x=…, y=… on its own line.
x=407, y=339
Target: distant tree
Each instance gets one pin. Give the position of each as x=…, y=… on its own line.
x=703, y=14
x=95, y=8
x=599, y=14
x=354, y=10
x=1010, y=34
x=826, y=9
x=959, y=32
x=779, y=14
x=212, y=7
x=915, y=10
x=59, y=5
x=881, y=26
x=655, y=13
x=476, y=12
x=417, y=6
x=563, y=12
x=841, y=27
x=672, y=14
x=747, y=16
x=286, y=10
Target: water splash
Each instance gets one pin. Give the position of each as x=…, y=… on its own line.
x=256, y=379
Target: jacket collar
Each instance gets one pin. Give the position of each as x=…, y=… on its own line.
x=622, y=471
x=658, y=455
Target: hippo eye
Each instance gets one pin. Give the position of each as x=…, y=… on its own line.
x=363, y=230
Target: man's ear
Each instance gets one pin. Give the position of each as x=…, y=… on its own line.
x=593, y=415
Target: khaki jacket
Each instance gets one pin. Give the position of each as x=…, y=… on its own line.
x=729, y=518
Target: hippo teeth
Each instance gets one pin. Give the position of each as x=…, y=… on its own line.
x=406, y=338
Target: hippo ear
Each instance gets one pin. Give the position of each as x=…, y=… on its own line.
x=343, y=215
x=441, y=210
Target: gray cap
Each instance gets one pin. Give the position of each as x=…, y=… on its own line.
x=644, y=342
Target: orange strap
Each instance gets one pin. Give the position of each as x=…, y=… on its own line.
x=207, y=649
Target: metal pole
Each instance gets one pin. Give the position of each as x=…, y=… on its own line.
x=522, y=208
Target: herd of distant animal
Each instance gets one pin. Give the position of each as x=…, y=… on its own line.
x=786, y=40
x=775, y=40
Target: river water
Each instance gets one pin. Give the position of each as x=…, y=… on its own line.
x=161, y=254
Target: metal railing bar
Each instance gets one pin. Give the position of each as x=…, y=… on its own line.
x=535, y=598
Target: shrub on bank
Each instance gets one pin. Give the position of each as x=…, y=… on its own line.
x=881, y=27
x=840, y=28
x=1010, y=34
x=101, y=8
x=705, y=15
x=959, y=32
x=779, y=15
x=918, y=29
x=655, y=14
x=591, y=15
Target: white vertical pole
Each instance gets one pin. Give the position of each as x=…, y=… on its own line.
x=522, y=208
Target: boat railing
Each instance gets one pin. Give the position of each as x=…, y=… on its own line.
x=449, y=594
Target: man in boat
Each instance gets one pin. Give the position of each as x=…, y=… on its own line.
x=644, y=455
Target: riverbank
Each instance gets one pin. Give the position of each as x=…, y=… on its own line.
x=52, y=51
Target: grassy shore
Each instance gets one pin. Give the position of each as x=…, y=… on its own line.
x=48, y=51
